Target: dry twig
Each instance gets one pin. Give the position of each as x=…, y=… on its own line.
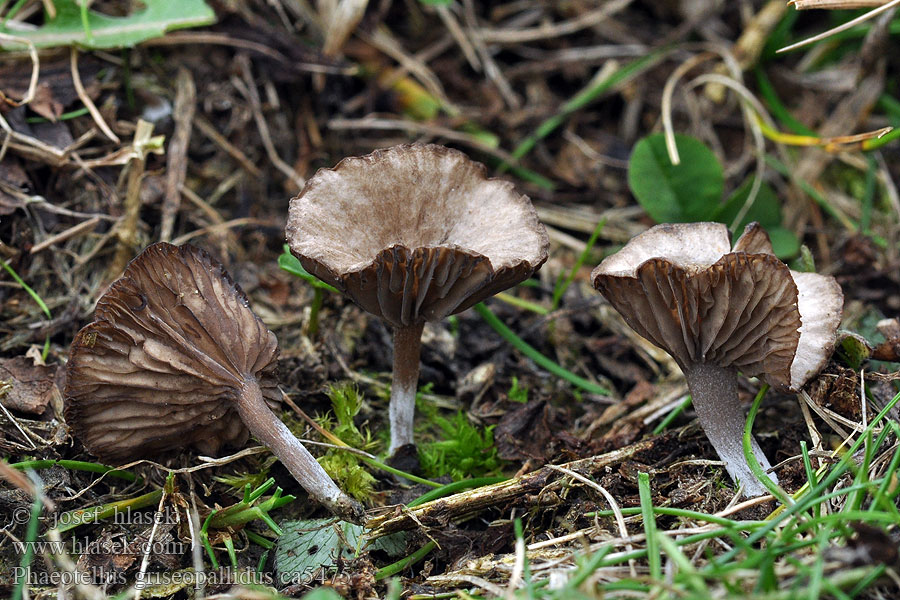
x=466, y=503
x=176, y=158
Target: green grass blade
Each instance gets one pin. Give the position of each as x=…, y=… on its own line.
x=34, y=295
x=813, y=495
x=777, y=107
x=38, y=300
x=75, y=465
x=401, y=564
x=30, y=537
x=875, y=143
x=754, y=465
x=594, y=90
x=653, y=557
x=532, y=353
x=559, y=290
x=672, y=416
x=290, y=263
x=452, y=488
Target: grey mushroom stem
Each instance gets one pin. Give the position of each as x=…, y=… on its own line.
x=269, y=430
x=715, y=398
x=402, y=408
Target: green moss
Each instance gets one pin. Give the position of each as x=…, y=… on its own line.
x=342, y=466
x=465, y=451
x=516, y=393
x=350, y=476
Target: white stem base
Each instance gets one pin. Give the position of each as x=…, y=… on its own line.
x=401, y=412
x=402, y=409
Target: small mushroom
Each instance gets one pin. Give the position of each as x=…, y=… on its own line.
x=411, y=234
x=718, y=311
x=174, y=358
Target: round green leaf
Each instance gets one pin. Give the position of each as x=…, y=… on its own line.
x=689, y=191
x=785, y=244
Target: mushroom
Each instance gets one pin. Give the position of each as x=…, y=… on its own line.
x=718, y=311
x=411, y=234
x=175, y=357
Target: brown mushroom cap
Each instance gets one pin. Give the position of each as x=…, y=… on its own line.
x=415, y=232
x=171, y=344
x=717, y=311
x=681, y=287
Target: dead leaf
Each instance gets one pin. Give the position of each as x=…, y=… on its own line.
x=526, y=432
x=12, y=179
x=45, y=104
x=56, y=80
x=31, y=387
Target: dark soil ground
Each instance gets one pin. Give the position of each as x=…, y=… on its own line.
x=251, y=106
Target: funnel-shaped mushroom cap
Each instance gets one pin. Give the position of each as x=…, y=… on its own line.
x=683, y=288
x=415, y=232
x=161, y=365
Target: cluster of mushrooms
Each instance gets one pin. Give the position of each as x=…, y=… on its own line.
x=414, y=233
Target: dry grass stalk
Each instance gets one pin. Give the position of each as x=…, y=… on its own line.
x=880, y=8
x=750, y=45
x=207, y=129
x=69, y=233
x=247, y=87
x=491, y=69
x=86, y=100
x=836, y=4
x=339, y=18
x=176, y=158
x=126, y=231
x=35, y=70
x=508, y=35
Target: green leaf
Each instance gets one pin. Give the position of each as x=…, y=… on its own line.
x=853, y=349
x=290, y=263
x=309, y=549
x=784, y=242
x=765, y=210
x=102, y=31
x=690, y=191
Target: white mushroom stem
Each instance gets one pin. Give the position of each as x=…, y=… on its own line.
x=269, y=430
x=402, y=408
x=715, y=398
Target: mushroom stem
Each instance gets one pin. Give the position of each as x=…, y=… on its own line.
x=715, y=398
x=402, y=408
x=269, y=429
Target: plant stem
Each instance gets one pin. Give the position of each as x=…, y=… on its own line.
x=314, y=308
x=715, y=398
x=269, y=429
x=82, y=516
x=402, y=409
